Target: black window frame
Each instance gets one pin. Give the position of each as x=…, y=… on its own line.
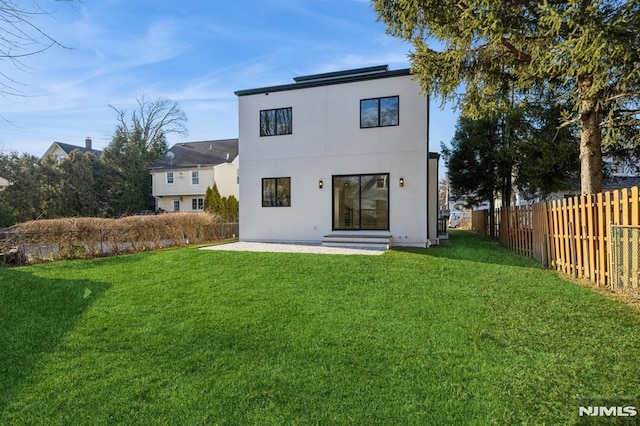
x=198, y=202
x=360, y=228
x=379, y=119
x=276, y=203
x=288, y=130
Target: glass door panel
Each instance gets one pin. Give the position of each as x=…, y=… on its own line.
x=361, y=202
x=346, y=202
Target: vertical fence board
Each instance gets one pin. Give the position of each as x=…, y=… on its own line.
x=560, y=220
x=616, y=207
x=591, y=236
x=600, y=269
x=577, y=241
x=607, y=226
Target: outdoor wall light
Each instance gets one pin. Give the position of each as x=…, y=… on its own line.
x=320, y=184
x=401, y=182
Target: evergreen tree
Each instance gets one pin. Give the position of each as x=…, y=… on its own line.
x=79, y=192
x=208, y=200
x=476, y=163
x=546, y=156
x=7, y=215
x=24, y=193
x=233, y=209
x=586, y=50
x=217, y=205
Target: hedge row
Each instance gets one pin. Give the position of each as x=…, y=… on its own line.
x=84, y=237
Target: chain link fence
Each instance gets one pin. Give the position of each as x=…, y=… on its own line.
x=625, y=259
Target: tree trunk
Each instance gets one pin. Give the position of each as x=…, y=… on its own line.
x=591, y=178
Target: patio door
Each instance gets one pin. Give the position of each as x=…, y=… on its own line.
x=361, y=202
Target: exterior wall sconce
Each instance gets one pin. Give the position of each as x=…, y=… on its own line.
x=401, y=182
x=320, y=184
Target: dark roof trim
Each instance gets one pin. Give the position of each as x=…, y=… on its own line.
x=68, y=148
x=331, y=75
x=342, y=77
x=434, y=156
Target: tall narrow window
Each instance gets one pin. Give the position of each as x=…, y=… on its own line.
x=275, y=122
x=276, y=192
x=195, y=177
x=380, y=112
x=170, y=178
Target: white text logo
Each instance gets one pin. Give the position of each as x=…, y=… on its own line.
x=608, y=411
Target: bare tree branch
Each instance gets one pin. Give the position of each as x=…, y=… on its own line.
x=20, y=37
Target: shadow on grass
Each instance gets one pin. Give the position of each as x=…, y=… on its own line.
x=36, y=314
x=465, y=245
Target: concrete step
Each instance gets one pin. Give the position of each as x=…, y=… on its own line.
x=373, y=242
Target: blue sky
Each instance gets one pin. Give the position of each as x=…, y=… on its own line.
x=196, y=53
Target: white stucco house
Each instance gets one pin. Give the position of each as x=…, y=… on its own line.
x=340, y=158
x=180, y=178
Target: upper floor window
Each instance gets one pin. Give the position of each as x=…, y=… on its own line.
x=276, y=192
x=195, y=177
x=170, y=178
x=380, y=112
x=276, y=122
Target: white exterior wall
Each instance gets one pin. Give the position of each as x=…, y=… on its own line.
x=225, y=175
x=327, y=140
x=56, y=152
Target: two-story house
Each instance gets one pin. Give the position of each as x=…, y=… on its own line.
x=340, y=158
x=60, y=151
x=180, y=177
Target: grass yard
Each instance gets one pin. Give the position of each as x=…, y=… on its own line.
x=461, y=334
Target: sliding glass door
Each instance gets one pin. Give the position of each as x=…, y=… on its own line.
x=361, y=202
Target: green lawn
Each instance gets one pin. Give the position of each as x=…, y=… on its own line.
x=465, y=333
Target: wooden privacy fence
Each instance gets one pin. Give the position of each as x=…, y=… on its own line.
x=580, y=236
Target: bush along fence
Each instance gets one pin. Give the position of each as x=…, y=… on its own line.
x=595, y=237
x=56, y=239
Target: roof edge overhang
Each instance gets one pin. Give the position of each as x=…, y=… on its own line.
x=319, y=82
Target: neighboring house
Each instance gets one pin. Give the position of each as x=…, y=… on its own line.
x=180, y=178
x=4, y=184
x=60, y=150
x=340, y=158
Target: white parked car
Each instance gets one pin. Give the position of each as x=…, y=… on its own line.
x=454, y=219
